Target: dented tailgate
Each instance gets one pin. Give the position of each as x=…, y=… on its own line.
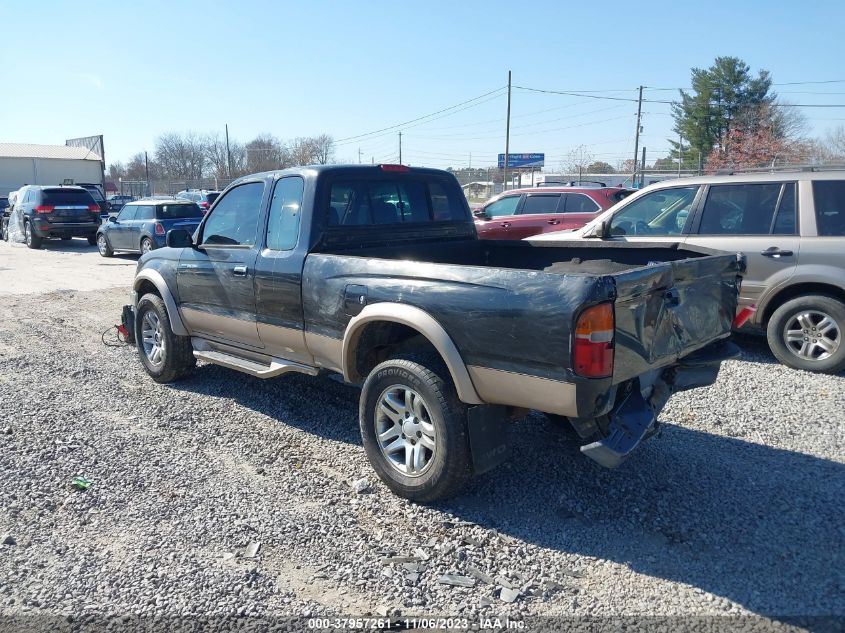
x=667, y=310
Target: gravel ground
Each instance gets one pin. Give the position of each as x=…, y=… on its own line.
x=734, y=508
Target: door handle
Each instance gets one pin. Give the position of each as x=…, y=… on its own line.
x=239, y=271
x=553, y=221
x=505, y=224
x=776, y=252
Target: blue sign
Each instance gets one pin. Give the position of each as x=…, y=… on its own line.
x=521, y=161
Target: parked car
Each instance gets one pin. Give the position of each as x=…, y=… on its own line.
x=117, y=201
x=376, y=273
x=57, y=212
x=201, y=197
x=521, y=213
x=141, y=226
x=96, y=192
x=791, y=227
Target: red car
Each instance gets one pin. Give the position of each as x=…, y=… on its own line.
x=521, y=213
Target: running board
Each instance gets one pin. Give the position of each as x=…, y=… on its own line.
x=276, y=367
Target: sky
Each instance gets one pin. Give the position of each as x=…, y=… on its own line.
x=134, y=70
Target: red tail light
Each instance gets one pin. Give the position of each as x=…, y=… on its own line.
x=399, y=168
x=743, y=315
x=44, y=209
x=592, y=350
x=93, y=207
x=204, y=205
x=159, y=229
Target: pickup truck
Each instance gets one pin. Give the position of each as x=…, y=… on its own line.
x=376, y=273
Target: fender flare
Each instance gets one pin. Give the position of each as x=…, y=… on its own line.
x=155, y=278
x=418, y=320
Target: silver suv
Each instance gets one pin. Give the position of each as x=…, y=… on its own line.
x=790, y=225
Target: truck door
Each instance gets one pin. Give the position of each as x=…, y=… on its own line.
x=278, y=275
x=758, y=219
x=215, y=279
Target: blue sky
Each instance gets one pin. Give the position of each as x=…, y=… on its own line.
x=132, y=71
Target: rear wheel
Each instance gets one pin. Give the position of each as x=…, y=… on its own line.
x=103, y=245
x=414, y=429
x=31, y=239
x=146, y=245
x=166, y=356
x=809, y=333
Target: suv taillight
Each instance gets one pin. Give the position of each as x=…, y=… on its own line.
x=44, y=208
x=204, y=205
x=592, y=349
x=94, y=207
x=159, y=229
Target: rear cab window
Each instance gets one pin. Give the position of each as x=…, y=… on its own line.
x=829, y=199
x=66, y=198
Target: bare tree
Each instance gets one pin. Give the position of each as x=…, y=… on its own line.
x=264, y=153
x=578, y=159
x=323, y=146
x=834, y=142
x=216, y=155
x=116, y=171
x=136, y=168
x=302, y=151
x=181, y=155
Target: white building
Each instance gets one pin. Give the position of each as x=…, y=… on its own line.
x=29, y=164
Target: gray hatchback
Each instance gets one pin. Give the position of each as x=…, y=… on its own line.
x=790, y=225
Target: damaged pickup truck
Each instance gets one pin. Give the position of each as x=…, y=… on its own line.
x=376, y=273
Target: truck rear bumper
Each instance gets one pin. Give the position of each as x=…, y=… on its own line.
x=634, y=416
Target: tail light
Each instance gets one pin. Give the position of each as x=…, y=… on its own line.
x=204, y=205
x=592, y=352
x=44, y=209
x=399, y=168
x=743, y=315
x=94, y=207
x=159, y=229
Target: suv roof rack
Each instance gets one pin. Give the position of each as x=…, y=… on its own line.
x=780, y=168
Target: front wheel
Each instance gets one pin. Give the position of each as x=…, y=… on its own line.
x=166, y=356
x=414, y=429
x=103, y=245
x=809, y=333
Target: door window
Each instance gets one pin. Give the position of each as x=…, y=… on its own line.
x=540, y=204
x=234, y=221
x=579, y=203
x=503, y=206
x=786, y=216
x=829, y=196
x=127, y=213
x=741, y=209
x=285, y=212
x=662, y=212
x=145, y=212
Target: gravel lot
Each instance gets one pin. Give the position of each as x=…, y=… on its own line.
x=735, y=507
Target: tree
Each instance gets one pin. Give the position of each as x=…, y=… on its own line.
x=323, y=148
x=834, y=143
x=760, y=146
x=721, y=95
x=264, y=153
x=216, y=155
x=181, y=155
x=600, y=167
x=136, y=168
x=576, y=160
x=116, y=171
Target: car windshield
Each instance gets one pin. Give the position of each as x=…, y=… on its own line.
x=178, y=211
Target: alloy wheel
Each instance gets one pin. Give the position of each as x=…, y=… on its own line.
x=812, y=335
x=151, y=338
x=404, y=431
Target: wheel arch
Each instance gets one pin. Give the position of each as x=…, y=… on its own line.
x=414, y=320
x=797, y=290
x=151, y=280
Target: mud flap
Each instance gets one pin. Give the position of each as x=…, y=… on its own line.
x=631, y=422
x=488, y=436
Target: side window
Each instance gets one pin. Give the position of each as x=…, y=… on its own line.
x=234, y=221
x=503, y=206
x=785, y=218
x=145, y=212
x=579, y=203
x=127, y=213
x=535, y=204
x=829, y=197
x=662, y=212
x=741, y=209
x=285, y=212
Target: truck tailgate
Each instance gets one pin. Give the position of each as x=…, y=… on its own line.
x=667, y=310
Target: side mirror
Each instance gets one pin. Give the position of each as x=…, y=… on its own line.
x=479, y=213
x=113, y=219
x=602, y=230
x=179, y=238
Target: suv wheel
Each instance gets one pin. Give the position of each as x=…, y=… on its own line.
x=103, y=245
x=414, y=429
x=32, y=240
x=809, y=333
x=165, y=356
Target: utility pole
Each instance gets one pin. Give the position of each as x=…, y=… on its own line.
x=400, y=148
x=147, y=169
x=359, y=155
x=637, y=135
x=680, y=153
x=642, y=172
x=507, y=135
x=228, y=154
x=470, y=160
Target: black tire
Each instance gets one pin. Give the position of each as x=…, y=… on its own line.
x=103, y=245
x=810, y=309
x=449, y=466
x=177, y=356
x=146, y=243
x=92, y=239
x=32, y=240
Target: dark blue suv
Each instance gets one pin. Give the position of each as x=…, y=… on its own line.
x=143, y=225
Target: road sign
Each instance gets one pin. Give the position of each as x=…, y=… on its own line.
x=522, y=161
